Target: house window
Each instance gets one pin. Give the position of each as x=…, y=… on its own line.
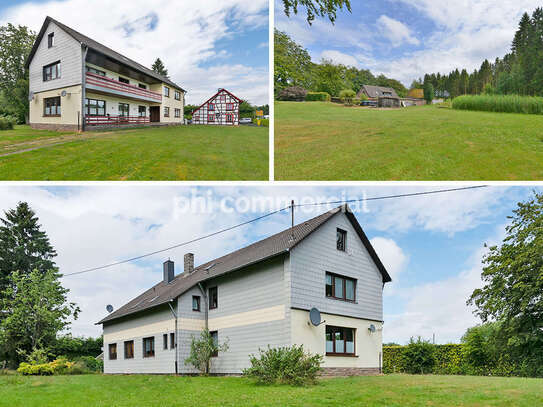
x=223, y=98
x=340, y=341
x=166, y=91
x=129, y=350
x=124, y=109
x=95, y=71
x=340, y=288
x=229, y=106
x=112, y=351
x=142, y=111
x=211, y=106
x=166, y=111
x=124, y=80
x=149, y=347
x=215, y=337
x=210, y=117
x=196, y=303
x=177, y=112
x=51, y=106
x=229, y=118
x=51, y=71
x=177, y=95
x=213, y=298
x=142, y=86
x=165, y=341
x=341, y=239
x=51, y=40
x=95, y=107
x=172, y=340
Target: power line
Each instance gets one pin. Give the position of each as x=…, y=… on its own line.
x=265, y=216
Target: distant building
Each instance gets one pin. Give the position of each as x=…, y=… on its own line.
x=385, y=97
x=220, y=109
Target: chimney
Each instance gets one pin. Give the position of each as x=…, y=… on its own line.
x=168, y=271
x=189, y=263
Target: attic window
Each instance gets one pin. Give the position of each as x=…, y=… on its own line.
x=51, y=40
x=341, y=239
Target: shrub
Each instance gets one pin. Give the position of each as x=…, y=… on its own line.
x=347, y=96
x=294, y=93
x=317, y=97
x=202, y=350
x=56, y=367
x=90, y=364
x=7, y=122
x=419, y=356
x=500, y=103
x=265, y=122
x=286, y=365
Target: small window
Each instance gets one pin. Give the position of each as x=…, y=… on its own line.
x=142, y=111
x=177, y=112
x=229, y=118
x=149, y=347
x=229, y=106
x=129, y=350
x=51, y=71
x=196, y=303
x=223, y=98
x=210, y=117
x=95, y=71
x=112, y=351
x=340, y=341
x=166, y=111
x=51, y=40
x=165, y=341
x=215, y=337
x=177, y=95
x=124, y=80
x=340, y=288
x=166, y=91
x=213, y=298
x=142, y=86
x=211, y=106
x=172, y=340
x=341, y=237
x=51, y=106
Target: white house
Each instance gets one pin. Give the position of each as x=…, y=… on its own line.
x=261, y=295
x=76, y=83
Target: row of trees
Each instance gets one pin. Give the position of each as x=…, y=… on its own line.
x=519, y=72
x=293, y=67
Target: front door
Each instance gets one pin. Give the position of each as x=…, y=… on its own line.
x=154, y=114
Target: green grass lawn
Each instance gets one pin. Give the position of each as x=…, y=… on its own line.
x=326, y=141
x=392, y=390
x=160, y=153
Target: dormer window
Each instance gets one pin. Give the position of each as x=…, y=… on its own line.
x=51, y=40
x=341, y=239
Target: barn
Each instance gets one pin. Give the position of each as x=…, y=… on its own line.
x=220, y=109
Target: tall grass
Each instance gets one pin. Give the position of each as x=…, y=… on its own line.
x=500, y=103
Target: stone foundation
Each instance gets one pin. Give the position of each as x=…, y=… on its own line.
x=349, y=371
x=54, y=126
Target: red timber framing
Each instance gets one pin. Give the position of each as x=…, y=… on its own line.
x=220, y=109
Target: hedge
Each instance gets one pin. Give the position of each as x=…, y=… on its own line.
x=317, y=97
x=500, y=103
x=7, y=122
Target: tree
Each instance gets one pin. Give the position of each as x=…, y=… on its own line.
x=419, y=356
x=246, y=109
x=159, y=68
x=15, y=46
x=292, y=63
x=330, y=78
x=202, y=350
x=24, y=247
x=317, y=8
x=347, y=96
x=35, y=310
x=428, y=92
x=513, y=283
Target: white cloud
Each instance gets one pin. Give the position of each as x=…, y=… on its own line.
x=396, y=31
x=340, y=58
x=185, y=37
x=393, y=257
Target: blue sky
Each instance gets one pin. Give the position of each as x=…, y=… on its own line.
x=405, y=39
x=204, y=45
x=431, y=245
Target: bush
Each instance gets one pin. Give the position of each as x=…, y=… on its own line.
x=500, y=103
x=347, y=96
x=317, y=97
x=286, y=365
x=60, y=366
x=74, y=347
x=419, y=356
x=294, y=93
x=90, y=364
x=202, y=350
x=7, y=122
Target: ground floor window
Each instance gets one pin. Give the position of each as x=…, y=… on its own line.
x=112, y=351
x=129, y=350
x=149, y=347
x=165, y=341
x=51, y=106
x=142, y=110
x=166, y=111
x=172, y=340
x=177, y=112
x=340, y=341
x=210, y=117
x=95, y=107
x=215, y=337
x=229, y=118
x=124, y=109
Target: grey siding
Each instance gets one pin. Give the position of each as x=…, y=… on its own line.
x=185, y=312
x=67, y=50
x=317, y=254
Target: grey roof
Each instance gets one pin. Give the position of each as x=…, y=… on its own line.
x=272, y=246
x=89, y=42
x=377, y=91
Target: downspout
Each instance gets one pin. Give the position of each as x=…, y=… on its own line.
x=84, y=50
x=203, y=291
x=176, y=336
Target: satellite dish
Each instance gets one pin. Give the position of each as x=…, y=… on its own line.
x=371, y=328
x=63, y=93
x=31, y=96
x=315, y=316
x=109, y=308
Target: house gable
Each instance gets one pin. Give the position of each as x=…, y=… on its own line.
x=220, y=109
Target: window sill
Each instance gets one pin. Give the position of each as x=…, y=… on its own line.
x=342, y=300
x=51, y=115
x=341, y=355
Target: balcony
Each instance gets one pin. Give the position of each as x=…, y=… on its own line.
x=116, y=120
x=102, y=84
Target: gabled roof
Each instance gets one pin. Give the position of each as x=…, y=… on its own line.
x=272, y=246
x=214, y=96
x=377, y=91
x=102, y=49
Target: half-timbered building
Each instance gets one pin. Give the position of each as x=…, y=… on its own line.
x=220, y=109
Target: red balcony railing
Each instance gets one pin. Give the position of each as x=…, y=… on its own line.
x=112, y=84
x=115, y=120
